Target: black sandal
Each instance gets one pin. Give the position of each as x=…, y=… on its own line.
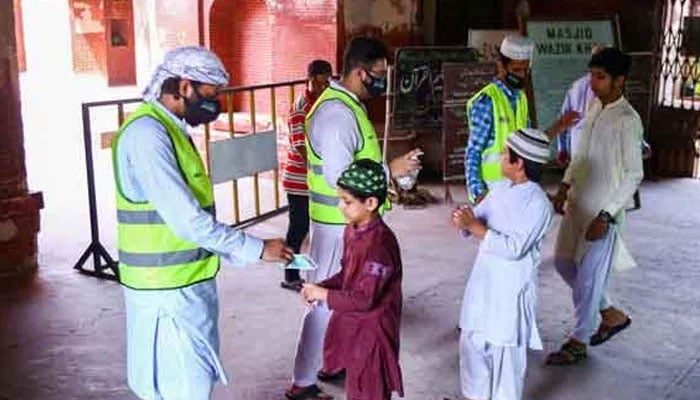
x=312, y=392
x=606, y=333
x=569, y=354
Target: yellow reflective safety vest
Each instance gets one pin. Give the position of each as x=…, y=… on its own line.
x=151, y=255
x=323, y=199
x=505, y=122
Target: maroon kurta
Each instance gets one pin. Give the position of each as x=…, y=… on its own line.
x=365, y=296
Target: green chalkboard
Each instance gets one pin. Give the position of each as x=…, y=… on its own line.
x=419, y=84
x=561, y=55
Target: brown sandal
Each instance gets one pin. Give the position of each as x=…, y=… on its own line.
x=605, y=332
x=569, y=354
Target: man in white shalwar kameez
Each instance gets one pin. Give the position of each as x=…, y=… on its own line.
x=579, y=98
x=499, y=310
x=597, y=188
x=170, y=295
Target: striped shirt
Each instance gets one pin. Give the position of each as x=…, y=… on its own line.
x=294, y=176
x=482, y=135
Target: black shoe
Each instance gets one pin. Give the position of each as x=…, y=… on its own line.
x=293, y=285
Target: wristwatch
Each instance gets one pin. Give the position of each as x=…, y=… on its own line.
x=605, y=216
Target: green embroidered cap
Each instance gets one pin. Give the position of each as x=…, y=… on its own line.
x=366, y=177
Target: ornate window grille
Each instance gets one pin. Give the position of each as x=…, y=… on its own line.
x=678, y=69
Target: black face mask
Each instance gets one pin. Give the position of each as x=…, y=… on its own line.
x=376, y=86
x=201, y=110
x=514, y=81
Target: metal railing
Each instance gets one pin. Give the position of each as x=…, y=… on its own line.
x=104, y=266
x=677, y=69
x=674, y=114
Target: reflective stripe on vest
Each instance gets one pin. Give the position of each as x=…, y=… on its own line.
x=163, y=259
x=505, y=123
x=323, y=199
x=141, y=217
x=151, y=255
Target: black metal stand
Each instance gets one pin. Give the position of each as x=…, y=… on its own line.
x=101, y=258
x=99, y=254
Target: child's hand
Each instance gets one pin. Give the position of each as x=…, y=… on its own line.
x=311, y=293
x=463, y=218
x=304, y=292
x=565, y=122
x=305, y=295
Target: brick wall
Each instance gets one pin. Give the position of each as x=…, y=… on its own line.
x=19, y=211
x=89, y=53
x=88, y=36
x=241, y=36
x=259, y=45
x=292, y=56
x=394, y=21
x=301, y=37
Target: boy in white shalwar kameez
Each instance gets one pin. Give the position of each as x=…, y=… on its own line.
x=498, y=321
x=597, y=187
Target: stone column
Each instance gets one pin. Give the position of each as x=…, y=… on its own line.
x=19, y=209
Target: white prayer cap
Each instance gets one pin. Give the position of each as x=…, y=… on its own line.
x=531, y=144
x=193, y=63
x=517, y=47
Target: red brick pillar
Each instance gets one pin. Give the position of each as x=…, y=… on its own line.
x=19, y=210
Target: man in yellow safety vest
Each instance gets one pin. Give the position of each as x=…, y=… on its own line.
x=496, y=111
x=169, y=241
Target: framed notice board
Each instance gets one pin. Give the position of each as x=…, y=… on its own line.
x=462, y=81
x=419, y=84
x=561, y=55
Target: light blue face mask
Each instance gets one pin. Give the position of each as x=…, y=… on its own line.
x=301, y=262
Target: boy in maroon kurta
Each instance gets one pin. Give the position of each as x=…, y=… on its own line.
x=365, y=296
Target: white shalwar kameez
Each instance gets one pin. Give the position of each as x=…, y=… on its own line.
x=604, y=174
x=498, y=320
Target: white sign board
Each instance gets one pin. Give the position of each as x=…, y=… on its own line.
x=237, y=158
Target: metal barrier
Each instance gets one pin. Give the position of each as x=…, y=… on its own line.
x=677, y=53
x=104, y=265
